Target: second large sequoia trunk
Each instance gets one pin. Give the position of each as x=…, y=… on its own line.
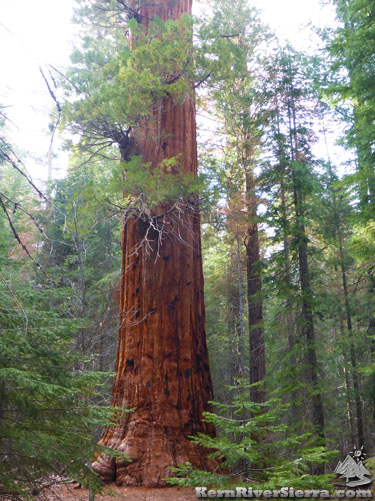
x=162, y=363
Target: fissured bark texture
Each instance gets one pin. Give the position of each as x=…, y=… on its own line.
x=162, y=363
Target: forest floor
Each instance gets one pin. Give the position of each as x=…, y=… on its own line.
x=72, y=492
x=68, y=493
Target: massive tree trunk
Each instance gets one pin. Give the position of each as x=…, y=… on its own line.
x=162, y=363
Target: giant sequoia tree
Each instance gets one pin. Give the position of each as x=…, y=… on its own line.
x=162, y=371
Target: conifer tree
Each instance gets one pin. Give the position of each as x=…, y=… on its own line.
x=241, y=108
x=350, y=88
x=351, y=48
x=335, y=228
x=145, y=105
x=47, y=419
x=293, y=137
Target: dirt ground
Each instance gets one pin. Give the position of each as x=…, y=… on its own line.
x=68, y=493
x=62, y=492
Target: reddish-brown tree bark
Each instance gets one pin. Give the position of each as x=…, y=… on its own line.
x=162, y=363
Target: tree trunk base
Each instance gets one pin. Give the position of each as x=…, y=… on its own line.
x=153, y=450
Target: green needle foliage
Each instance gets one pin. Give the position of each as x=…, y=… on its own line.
x=47, y=412
x=111, y=87
x=255, y=447
x=58, y=343
x=350, y=87
x=49, y=397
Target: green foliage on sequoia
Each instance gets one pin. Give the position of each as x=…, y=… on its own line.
x=134, y=185
x=58, y=343
x=116, y=87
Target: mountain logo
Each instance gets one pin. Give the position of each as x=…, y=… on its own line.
x=353, y=468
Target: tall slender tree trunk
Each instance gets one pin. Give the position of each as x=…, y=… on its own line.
x=234, y=331
x=349, y=406
x=162, y=367
x=309, y=333
x=254, y=294
x=287, y=263
x=349, y=323
x=352, y=354
x=353, y=358
x=293, y=415
x=371, y=332
x=306, y=292
x=241, y=333
x=236, y=316
x=288, y=281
